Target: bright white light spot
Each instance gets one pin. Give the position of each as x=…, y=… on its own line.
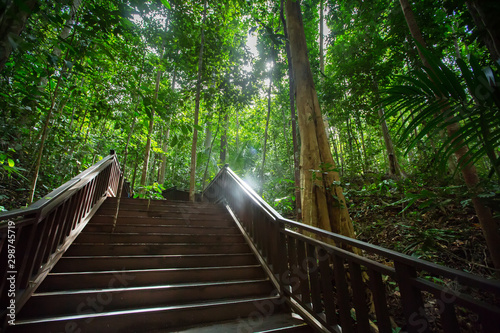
x=252, y=44
x=269, y=66
x=136, y=18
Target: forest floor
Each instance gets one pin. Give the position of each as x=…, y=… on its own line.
x=424, y=219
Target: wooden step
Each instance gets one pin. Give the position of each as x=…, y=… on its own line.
x=106, y=263
x=123, y=238
x=186, y=213
x=128, y=202
x=222, y=222
x=148, y=319
x=276, y=322
x=167, y=208
x=119, y=298
x=155, y=248
x=147, y=277
x=164, y=229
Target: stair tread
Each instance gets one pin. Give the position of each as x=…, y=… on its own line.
x=193, y=305
x=150, y=270
x=267, y=324
x=160, y=255
x=168, y=286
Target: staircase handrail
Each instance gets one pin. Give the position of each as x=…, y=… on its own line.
x=33, y=239
x=53, y=198
x=272, y=234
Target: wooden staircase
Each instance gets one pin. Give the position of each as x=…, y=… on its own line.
x=165, y=266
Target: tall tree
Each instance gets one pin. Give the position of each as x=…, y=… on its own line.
x=147, y=153
x=323, y=202
x=291, y=98
x=269, y=100
x=192, y=174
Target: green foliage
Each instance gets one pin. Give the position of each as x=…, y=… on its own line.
x=150, y=192
x=435, y=100
x=8, y=165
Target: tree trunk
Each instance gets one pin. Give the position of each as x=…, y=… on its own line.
x=192, y=178
x=394, y=168
x=136, y=166
x=223, y=141
x=12, y=23
x=150, y=133
x=161, y=177
x=45, y=132
x=321, y=42
x=269, y=100
x=210, y=148
x=323, y=201
x=295, y=140
x=469, y=172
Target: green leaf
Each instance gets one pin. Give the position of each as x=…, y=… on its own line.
x=166, y=4
x=11, y=162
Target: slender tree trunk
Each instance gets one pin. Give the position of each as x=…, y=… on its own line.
x=192, y=176
x=269, y=100
x=205, y=173
x=295, y=140
x=363, y=145
x=45, y=132
x=134, y=175
x=161, y=177
x=223, y=141
x=321, y=42
x=323, y=202
x=394, y=167
x=469, y=172
x=150, y=133
x=237, y=140
x=12, y=23
x=208, y=134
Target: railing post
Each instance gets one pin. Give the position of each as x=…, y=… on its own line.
x=281, y=254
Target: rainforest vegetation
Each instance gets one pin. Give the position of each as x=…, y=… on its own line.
x=399, y=100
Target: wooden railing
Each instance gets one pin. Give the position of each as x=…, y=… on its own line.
x=336, y=290
x=33, y=239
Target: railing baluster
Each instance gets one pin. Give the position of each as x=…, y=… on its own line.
x=327, y=287
x=281, y=263
x=411, y=298
x=377, y=288
x=66, y=217
x=292, y=265
x=449, y=318
x=342, y=293
x=359, y=297
x=303, y=273
x=314, y=278
x=47, y=228
x=23, y=251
